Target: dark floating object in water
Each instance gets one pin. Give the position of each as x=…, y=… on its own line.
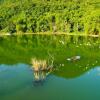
x=38, y=82
x=74, y=58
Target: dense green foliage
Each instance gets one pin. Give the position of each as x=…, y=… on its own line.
x=70, y=16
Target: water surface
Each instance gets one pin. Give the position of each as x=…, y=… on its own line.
x=17, y=83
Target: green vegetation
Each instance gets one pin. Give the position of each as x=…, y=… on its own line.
x=23, y=48
x=51, y=16
x=69, y=16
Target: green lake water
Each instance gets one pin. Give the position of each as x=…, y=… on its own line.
x=71, y=80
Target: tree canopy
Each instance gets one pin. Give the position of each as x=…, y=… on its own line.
x=79, y=16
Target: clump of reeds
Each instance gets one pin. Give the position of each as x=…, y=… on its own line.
x=35, y=65
x=39, y=65
x=43, y=64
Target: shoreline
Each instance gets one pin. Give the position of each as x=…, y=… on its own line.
x=48, y=33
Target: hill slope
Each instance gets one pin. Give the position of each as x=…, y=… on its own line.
x=50, y=15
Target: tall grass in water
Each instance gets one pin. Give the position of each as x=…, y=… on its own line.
x=39, y=65
x=41, y=70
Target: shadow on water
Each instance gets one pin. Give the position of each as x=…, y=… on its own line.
x=39, y=78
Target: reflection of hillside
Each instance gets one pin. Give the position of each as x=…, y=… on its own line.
x=70, y=72
x=21, y=49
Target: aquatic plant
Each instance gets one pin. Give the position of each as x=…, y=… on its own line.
x=35, y=65
x=43, y=64
x=39, y=65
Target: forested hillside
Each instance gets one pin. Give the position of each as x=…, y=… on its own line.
x=69, y=16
